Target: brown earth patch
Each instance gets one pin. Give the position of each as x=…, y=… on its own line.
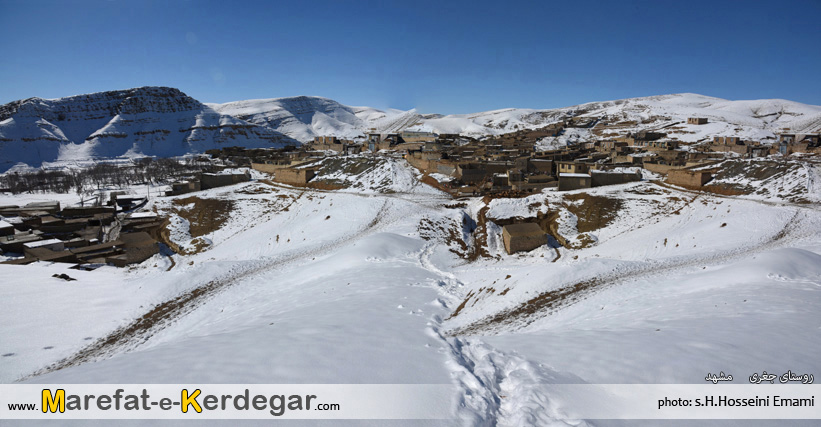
x=429, y=180
x=206, y=216
x=594, y=212
x=541, y=303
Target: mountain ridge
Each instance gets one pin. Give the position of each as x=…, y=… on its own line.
x=151, y=120
x=163, y=121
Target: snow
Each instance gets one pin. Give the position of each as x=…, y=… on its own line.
x=341, y=287
x=304, y=117
x=41, y=243
x=142, y=215
x=148, y=121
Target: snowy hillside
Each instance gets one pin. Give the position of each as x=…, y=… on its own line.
x=304, y=117
x=754, y=120
x=391, y=282
x=152, y=121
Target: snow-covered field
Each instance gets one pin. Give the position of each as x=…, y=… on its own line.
x=348, y=286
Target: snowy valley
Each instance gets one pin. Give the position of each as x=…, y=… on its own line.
x=388, y=280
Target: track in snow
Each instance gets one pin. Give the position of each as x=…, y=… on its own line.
x=547, y=302
x=163, y=315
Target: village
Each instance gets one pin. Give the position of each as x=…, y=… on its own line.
x=510, y=165
x=112, y=228
x=118, y=231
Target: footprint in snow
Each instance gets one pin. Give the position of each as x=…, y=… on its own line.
x=438, y=303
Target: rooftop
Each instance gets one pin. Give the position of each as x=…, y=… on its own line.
x=42, y=243
x=523, y=229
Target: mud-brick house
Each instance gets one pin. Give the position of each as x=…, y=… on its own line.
x=727, y=140
x=471, y=173
x=184, y=187
x=600, y=178
x=728, y=144
x=608, y=146
x=6, y=229
x=329, y=143
x=214, y=180
x=696, y=120
x=383, y=141
x=660, y=145
x=572, y=167
x=541, y=166
x=14, y=242
x=50, y=244
x=574, y=181
x=416, y=136
x=688, y=178
x=294, y=176
x=448, y=138
x=789, y=143
x=523, y=237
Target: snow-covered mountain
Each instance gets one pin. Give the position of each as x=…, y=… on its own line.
x=757, y=119
x=166, y=122
x=304, y=117
x=156, y=121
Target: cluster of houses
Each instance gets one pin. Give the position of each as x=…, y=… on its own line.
x=89, y=236
x=789, y=143
x=510, y=165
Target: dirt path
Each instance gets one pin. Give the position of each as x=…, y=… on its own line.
x=721, y=196
x=163, y=315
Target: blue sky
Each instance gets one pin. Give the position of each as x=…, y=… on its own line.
x=438, y=56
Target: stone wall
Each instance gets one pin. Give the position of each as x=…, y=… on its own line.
x=613, y=178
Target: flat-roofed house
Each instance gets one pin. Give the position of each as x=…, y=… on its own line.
x=56, y=245
x=688, y=178
x=523, y=237
x=294, y=176
x=14, y=242
x=574, y=181
x=6, y=229
x=572, y=167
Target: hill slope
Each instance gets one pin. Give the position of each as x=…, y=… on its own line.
x=304, y=117
x=156, y=121
x=370, y=285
